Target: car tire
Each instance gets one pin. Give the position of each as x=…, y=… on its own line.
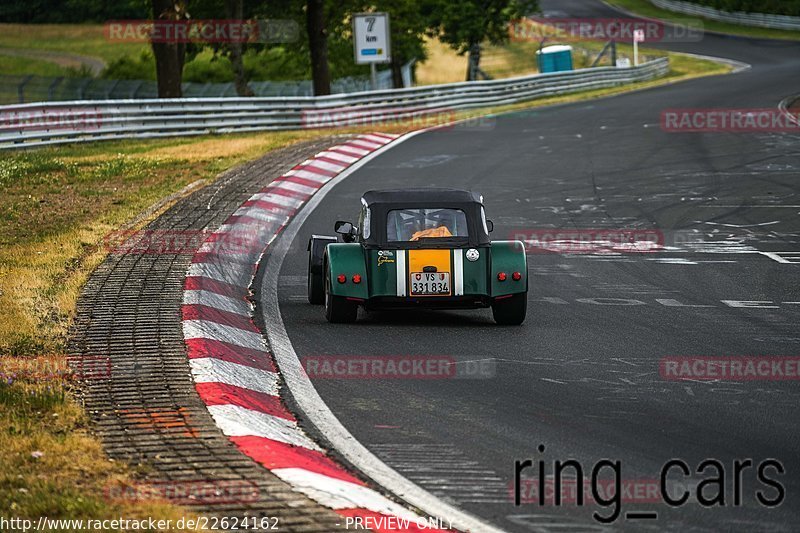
x=510, y=311
x=338, y=309
x=316, y=285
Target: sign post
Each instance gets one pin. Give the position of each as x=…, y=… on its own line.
x=371, y=41
x=638, y=37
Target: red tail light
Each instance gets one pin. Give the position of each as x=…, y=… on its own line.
x=341, y=278
x=501, y=276
x=357, y=278
x=516, y=276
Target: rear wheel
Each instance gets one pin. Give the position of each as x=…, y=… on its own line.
x=338, y=309
x=510, y=311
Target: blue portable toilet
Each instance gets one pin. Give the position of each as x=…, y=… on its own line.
x=555, y=58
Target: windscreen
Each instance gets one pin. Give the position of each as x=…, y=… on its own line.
x=425, y=223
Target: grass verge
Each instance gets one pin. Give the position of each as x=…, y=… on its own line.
x=58, y=204
x=645, y=8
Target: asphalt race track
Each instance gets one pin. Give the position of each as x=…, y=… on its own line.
x=581, y=376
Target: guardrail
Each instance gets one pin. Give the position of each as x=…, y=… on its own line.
x=763, y=20
x=41, y=124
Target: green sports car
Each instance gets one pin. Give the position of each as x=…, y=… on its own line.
x=418, y=248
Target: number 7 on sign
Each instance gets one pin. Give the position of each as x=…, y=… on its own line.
x=370, y=23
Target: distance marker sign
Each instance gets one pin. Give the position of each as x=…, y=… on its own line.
x=371, y=38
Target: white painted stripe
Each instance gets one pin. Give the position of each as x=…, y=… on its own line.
x=458, y=274
x=307, y=174
x=213, y=370
x=238, y=275
x=296, y=187
x=325, y=165
x=236, y=421
x=261, y=214
x=205, y=329
x=350, y=149
x=337, y=156
x=217, y=301
x=363, y=144
x=340, y=494
x=276, y=199
x=401, y=273
x=375, y=138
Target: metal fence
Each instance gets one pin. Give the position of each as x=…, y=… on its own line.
x=21, y=89
x=49, y=123
x=763, y=20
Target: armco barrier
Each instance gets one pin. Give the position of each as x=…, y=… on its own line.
x=763, y=20
x=40, y=124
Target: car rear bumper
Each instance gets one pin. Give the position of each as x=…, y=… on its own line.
x=429, y=302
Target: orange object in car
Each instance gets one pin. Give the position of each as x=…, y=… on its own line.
x=440, y=231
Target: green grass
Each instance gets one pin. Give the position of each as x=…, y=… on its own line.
x=23, y=65
x=643, y=7
x=84, y=39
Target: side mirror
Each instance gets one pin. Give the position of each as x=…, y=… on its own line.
x=490, y=226
x=343, y=227
x=346, y=230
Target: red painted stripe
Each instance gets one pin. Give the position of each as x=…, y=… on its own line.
x=201, y=348
x=200, y=283
x=224, y=394
x=287, y=192
x=273, y=454
x=218, y=316
x=302, y=181
x=311, y=167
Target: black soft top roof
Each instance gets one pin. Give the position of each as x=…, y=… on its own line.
x=431, y=195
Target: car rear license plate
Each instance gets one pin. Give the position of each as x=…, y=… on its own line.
x=430, y=283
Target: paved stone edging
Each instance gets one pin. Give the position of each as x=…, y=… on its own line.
x=146, y=410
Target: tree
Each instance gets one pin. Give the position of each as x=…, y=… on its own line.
x=318, y=46
x=408, y=26
x=170, y=56
x=465, y=24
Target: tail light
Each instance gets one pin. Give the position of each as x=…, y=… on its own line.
x=516, y=276
x=341, y=278
x=357, y=278
x=501, y=276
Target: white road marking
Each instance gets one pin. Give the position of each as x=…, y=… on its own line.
x=213, y=370
x=234, y=275
x=340, y=494
x=205, y=329
x=218, y=301
x=236, y=421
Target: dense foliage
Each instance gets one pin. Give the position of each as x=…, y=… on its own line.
x=780, y=7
